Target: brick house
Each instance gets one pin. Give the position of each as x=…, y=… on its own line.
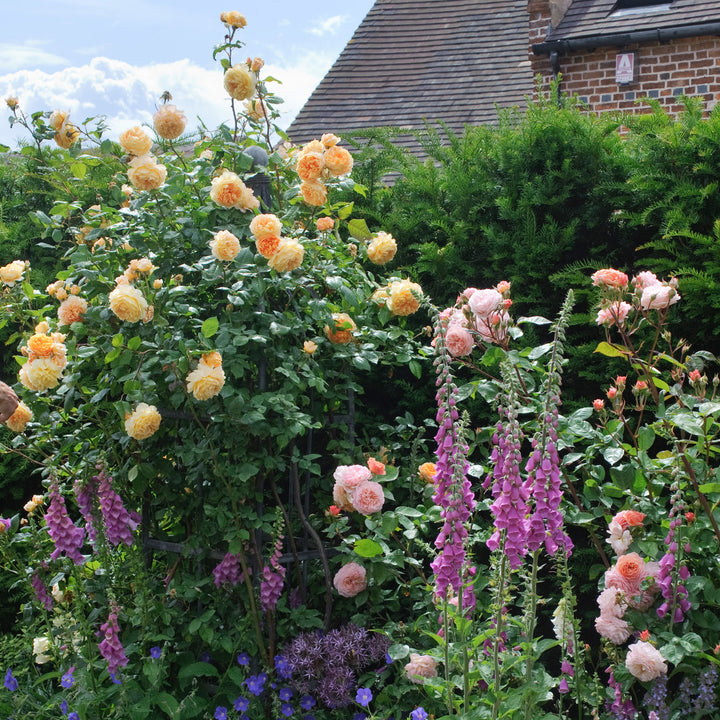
x=460, y=60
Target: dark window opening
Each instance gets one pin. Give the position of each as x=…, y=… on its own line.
x=627, y=4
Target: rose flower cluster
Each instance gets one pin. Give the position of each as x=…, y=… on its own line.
x=319, y=161
x=46, y=359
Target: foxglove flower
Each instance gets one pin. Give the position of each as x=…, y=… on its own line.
x=68, y=538
x=87, y=500
x=271, y=584
x=41, y=592
x=228, y=570
x=119, y=525
x=110, y=646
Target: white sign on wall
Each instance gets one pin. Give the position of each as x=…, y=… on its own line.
x=624, y=68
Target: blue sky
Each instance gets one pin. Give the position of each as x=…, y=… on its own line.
x=95, y=57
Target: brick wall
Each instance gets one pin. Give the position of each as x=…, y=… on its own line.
x=688, y=66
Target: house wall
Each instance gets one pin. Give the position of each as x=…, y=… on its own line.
x=665, y=71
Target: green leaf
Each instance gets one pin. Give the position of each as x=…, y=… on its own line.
x=367, y=548
x=167, y=703
x=415, y=368
x=646, y=437
x=605, y=348
x=534, y=320
x=113, y=355
x=197, y=669
x=346, y=211
x=79, y=170
x=359, y=230
x=210, y=327
x=708, y=488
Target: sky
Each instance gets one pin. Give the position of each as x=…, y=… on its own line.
x=116, y=58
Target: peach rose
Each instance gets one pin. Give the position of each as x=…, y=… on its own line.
x=338, y=160
x=67, y=136
x=227, y=190
x=341, y=334
x=309, y=347
x=267, y=246
x=631, y=568
x=145, y=173
x=350, y=579
x=288, y=256
x=645, y=662
x=58, y=118
x=224, y=246
x=40, y=345
x=403, y=298
x=143, y=422
x=205, y=381
x=20, y=418
x=248, y=201
x=169, y=122
x=629, y=518
x=135, y=141
x=459, y=341
x=255, y=109
x=382, y=249
x=310, y=166
x=342, y=497
x=232, y=18
x=368, y=497
x=612, y=627
x=313, y=192
x=420, y=667
x=12, y=272
x=324, y=224
x=72, y=310
x=375, y=466
x=265, y=224
x=609, y=277
x=41, y=374
x=427, y=472
x=312, y=146
x=128, y=303
x=240, y=82
x=12, y=102
x=329, y=139
x=212, y=359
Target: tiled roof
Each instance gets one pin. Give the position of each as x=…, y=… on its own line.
x=592, y=18
x=415, y=59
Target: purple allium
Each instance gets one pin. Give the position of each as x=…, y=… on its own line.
x=273, y=576
x=243, y=659
x=453, y=492
x=287, y=709
x=285, y=694
x=419, y=714
x=11, y=682
x=220, y=713
x=110, y=647
x=228, y=570
x=241, y=704
x=41, y=592
x=307, y=702
x=67, y=679
x=68, y=538
x=363, y=696
x=119, y=524
x=155, y=652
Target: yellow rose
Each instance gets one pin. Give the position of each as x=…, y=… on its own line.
x=169, y=122
x=240, y=82
x=12, y=102
x=205, y=381
x=40, y=345
x=128, y=303
x=57, y=119
x=143, y=422
x=232, y=18
x=68, y=135
x=403, y=300
x=12, y=272
x=313, y=146
x=227, y=189
x=329, y=140
x=310, y=166
x=341, y=334
x=309, y=347
x=135, y=141
x=20, y=418
x=267, y=245
x=427, y=472
x=338, y=160
x=313, y=192
x=255, y=109
x=382, y=249
x=224, y=246
x=265, y=224
x=288, y=256
x=40, y=374
x=72, y=310
x=145, y=173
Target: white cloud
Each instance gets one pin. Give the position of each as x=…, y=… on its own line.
x=128, y=95
x=16, y=57
x=329, y=26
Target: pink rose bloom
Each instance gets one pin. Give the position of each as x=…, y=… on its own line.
x=456, y=318
x=350, y=476
x=494, y=329
x=645, y=662
x=368, y=497
x=613, y=579
x=658, y=297
x=615, y=314
x=484, y=302
x=467, y=293
x=420, y=667
x=610, y=602
x=342, y=497
x=350, y=580
x=619, y=537
x=614, y=628
x=645, y=279
x=609, y=277
x=459, y=341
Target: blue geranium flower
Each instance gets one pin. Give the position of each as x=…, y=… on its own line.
x=155, y=652
x=67, y=679
x=11, y=683
x=243, y=659
x=220, y=713
x=307, y=702
x=285, y=694
x=419, y=714
x=241, y=704
x=363, y=696
x=287, y=709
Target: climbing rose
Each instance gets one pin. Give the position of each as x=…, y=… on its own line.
x=342, y=333
x=313, y=192
x=232, y=18
x=229, y=191
x=143, y=422
x=265, y=224
x=351, y=476
x=616, y=313
x=608, y=277
x=128, y=303
x=484, y=302
x=72, y=310
x=12, y=272
x=324, y=223
x=645, y=662
x=382, y=249
x=288, y=255
x=310, y=166
x=368, y=497
x=20, y=418
x=427, y=472
x=338, y=161
x=205, y=381
x=169, y=122
x=135, y=141
x=420, y=667
x=145, y=173
x=459, y=341
x=350, y=580
x=404, y=297
x=240, y=82
x=614, y=628
x=658, y=297
x=224, y=246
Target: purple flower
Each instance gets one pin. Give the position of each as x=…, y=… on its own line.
x=287, y=709
x=41, y=592
x=564, y=687
x=116, y=680
x=220, y=713
x=155, y=652
x=363, y=696
x=73, y=716
x=228, y=570
x=64, y=707
x=567, y=668
x=68, y=538
x=68, y=680
x=359, y=716
x=110, y=647
x=419, y=714
x=11, y=683
x=205, y=657
x=243, y=659
x=273, y=578
x=282, y=667
x=307, y=702
x=119, y=524
x=241, y=704
x=255, y=683
x=285, y=694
